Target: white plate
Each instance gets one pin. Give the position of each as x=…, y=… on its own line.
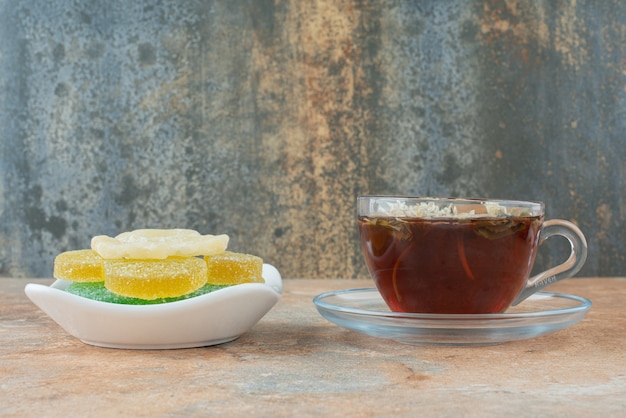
x=364, y=310
x=209, y=319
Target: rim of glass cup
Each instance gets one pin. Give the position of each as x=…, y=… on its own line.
x=535, y=207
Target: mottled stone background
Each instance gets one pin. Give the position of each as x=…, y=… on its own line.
x=265, y=119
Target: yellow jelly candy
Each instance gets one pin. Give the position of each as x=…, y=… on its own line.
x=153, y=279
x=79, y=266
x=228, y=268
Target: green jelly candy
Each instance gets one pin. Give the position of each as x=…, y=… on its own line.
x=97, y=291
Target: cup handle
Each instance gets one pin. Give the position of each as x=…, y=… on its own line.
x=567, y=269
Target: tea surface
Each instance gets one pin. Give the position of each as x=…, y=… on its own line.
x=449, y=265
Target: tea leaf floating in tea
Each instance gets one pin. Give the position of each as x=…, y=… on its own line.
x=494, y=229
x=399, y=226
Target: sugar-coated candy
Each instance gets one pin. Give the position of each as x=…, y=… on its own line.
x=228, y=268
x=153, y=279
x=158, y=244
x=79, y=266
x=97, y=291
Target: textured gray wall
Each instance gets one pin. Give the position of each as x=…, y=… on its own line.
x=265, y=119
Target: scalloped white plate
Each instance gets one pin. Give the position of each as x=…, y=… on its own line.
x=214, y=318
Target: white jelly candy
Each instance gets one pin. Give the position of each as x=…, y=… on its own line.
x=158, y=244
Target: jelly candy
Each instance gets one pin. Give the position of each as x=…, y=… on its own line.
x=234, y=268
x=153, y=279
x=97, y=291
x=158, y=244
x=79, y=266
x=155, y=266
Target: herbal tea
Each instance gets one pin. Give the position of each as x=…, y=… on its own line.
x=450, y=265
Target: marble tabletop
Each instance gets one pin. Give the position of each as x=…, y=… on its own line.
x=295, y=363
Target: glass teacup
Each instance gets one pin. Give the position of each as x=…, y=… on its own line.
x=459, y=256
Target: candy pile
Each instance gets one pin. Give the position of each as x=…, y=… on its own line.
x=149, y=266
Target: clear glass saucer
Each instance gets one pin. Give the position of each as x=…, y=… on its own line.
x=363, y=310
